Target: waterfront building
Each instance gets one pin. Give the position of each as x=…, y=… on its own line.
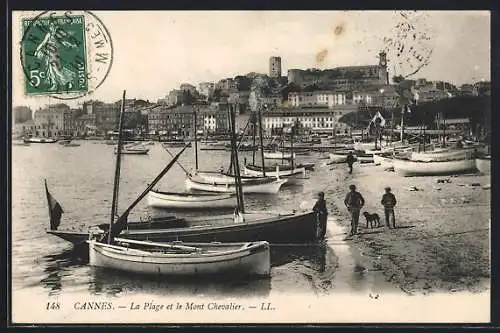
x=22, y=114
x=214, y=120
x=317, y=98
x=86, y=125
x=275, y=67
x=272, y=100
x=175, y=121
x=49, y=122
x=23, y=129
x=312, y=119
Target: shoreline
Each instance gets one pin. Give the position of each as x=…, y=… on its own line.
x=422, y=255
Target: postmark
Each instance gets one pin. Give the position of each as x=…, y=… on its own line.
x=410, y=45
x=65, y=54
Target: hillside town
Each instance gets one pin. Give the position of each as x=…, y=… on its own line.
x=317, y=99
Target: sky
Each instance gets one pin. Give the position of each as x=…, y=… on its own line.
x=156, y=51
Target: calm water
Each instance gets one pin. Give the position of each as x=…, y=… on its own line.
x=81, y=179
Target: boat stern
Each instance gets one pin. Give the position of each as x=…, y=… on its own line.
x=260, y=254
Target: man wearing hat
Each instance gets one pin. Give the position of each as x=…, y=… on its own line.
x=354, y=201
x=389, y=201
x=322, y=213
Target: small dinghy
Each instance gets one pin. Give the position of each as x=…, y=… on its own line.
x=182, y=259
x=174, y=200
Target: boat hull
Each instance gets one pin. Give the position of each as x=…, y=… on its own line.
x=483, y=165
x=39, y=140
x=254, y=170
x=270, y=187
x=278, y=155
x=445, y=155
x=338, y=158
x=250, y=259
x=287, y=228
x=190, y=201
x=412, y=168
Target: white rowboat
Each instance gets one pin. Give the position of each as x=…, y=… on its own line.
x=278, y=155
x=442, y=155
x=266, y=185
x=182, y=259
x=190, y=200
x=412, y=168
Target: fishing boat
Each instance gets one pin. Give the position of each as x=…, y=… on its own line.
x=483, y=164
x=442, y=155
x=413, y=168
x=275, y=170
x=364, y=158
x=338, y=156
x=267, y=185
x=278, y=155
x=108, y=251
x=39, y=140
x=176, y=143
x=71, y=144
x=192, y=201
x=64, y=141
x=183, y=259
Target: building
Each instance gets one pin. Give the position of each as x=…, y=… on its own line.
x=206, y=89
x=428, y=93
x=106, y=117
x=24, y=129
x=49, y=122
x=326, y=98
x=86, y=125
x=227, y=85
x=214, y=120
x=272, y=100
x=22, y=114
x=343, y=77
x=174, y=97
x=275, y=67
x=311, y=119
x=175, y=121
x=188, y=87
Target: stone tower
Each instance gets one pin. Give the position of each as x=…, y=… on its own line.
x=383, y=74
x=275, y=67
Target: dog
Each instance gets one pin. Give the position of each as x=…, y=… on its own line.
x=373, y=220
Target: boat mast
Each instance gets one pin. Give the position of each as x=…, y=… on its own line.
x=235, y=163
x=261, y=141
x=116, y=186
x=254, y=123
x=402, y=122
x=291, y=143
x=195, y=141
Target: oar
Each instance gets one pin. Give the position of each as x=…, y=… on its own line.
x=178, y=163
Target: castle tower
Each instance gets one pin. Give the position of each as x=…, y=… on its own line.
x=275, y=67
x=383, y=74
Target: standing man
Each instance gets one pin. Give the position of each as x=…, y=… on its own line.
x=350, y=160
x=389, y=201
x=354, y=201
x=322, y=214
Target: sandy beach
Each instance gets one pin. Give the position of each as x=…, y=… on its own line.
x=441, y=242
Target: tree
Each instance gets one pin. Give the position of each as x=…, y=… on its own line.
x=397, y=79
x=187, y=97
x=243, y=83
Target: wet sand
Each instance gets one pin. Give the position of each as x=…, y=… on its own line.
x=441, y=242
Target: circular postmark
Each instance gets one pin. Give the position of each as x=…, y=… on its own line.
x=410, y=46
x=65, y=54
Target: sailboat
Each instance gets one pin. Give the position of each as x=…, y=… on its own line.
x=294, y=173
x=274, y=227
x=221, y=182
x=173, y=259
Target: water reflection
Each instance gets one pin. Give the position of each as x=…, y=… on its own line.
x=110, y=282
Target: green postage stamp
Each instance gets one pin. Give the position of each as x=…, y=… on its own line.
x=64, y=54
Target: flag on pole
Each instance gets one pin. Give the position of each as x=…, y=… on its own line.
x=378, y=119
x=55, y=209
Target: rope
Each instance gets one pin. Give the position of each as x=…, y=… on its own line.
x=179, y=163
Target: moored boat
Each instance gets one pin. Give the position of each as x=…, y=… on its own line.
x=413, y=168
x=338, y=156
x=182, y=259
x=71, y=144
x=274, y=171
x=278, y=155
x=174, y=200
x=39, y=140
x=266, y=185
x=483, y=164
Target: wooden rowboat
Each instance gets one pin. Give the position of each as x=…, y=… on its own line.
x=182, y=259
x=412, y=168
x=278, y=155
x=191, y=201
x=442, y=155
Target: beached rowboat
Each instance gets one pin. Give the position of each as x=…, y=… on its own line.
x=182, y=259
x=174, y=200
x=412, y=168
x=442, y=155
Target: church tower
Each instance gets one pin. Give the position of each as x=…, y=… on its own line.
x=383, y=74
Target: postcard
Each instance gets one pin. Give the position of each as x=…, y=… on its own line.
x=250, y=167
